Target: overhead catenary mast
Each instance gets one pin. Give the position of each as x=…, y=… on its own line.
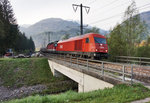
x=49, y=36
x=87, y=9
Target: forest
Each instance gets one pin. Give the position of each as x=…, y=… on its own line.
x=10, y=35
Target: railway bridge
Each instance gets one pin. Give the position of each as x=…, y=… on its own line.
x=93, y=74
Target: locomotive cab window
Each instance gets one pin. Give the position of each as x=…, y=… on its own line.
x=87, y=40
x=55, y=45
x=100, y=40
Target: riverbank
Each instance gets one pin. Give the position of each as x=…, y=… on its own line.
x=23, y=77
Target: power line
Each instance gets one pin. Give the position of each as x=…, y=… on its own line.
x=91, y=2
x=106, y=5
x=144, y=8
x=144, y=5
x=101, y=20
x=106, y=18
x=88, y=3
x=113, y=8
x=84, y=2
x=126, y=3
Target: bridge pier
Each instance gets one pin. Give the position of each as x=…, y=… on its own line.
x=85, y=82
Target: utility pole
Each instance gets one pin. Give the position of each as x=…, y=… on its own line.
x=44, y=43
x=49, y=36
x=87, y=9
x=81, y=26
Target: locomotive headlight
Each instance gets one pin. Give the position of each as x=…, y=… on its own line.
x=96, y=49
x=106, y=50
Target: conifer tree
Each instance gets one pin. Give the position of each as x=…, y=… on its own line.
x=10, y=36
x=31, y=44
x=1, y=22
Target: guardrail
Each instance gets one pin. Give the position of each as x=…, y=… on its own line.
x=135, y=60
x=123, y=72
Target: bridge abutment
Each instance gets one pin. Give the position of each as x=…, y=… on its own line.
x=85, y=82
x=54, y=71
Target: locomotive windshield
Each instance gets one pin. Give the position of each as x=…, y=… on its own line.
x=100, y=40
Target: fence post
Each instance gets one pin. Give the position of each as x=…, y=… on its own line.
x=64, y=59
x=87, y=64
x=131, y=74
x=102, y=68
x=52, y=57
x=123, y=68
x=140, y=61
x=77, y=62
x=71, y=60
x=116, y=58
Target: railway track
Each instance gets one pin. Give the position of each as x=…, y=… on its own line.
x=137, y=72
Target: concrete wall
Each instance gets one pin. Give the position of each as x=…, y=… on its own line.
x=85, y=82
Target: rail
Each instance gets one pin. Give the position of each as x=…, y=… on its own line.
x=124, y=73
x=135, y=60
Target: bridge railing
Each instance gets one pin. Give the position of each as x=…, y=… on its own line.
x=133, y=60
x=117, y=71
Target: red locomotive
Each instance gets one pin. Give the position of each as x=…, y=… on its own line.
x=88, y=45
x=52, y=46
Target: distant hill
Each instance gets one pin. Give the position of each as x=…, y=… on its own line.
x=51, y=24
x=146, y=17
x=57, y=26
x=60, y=27
x=25, y=25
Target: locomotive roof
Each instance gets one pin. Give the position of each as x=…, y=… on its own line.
x=52, y=42
x=82, y=36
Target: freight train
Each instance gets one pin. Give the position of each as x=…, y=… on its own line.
x=89, y=45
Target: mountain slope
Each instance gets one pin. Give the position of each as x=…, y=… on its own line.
x=50, y=24
x=146, y=17
x=57, y=26
x=60, y=27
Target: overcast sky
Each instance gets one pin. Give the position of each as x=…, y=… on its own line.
x=32, y=11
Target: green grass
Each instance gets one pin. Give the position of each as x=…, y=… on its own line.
x=24, y=71
x=31, y=71
x=118, y=94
